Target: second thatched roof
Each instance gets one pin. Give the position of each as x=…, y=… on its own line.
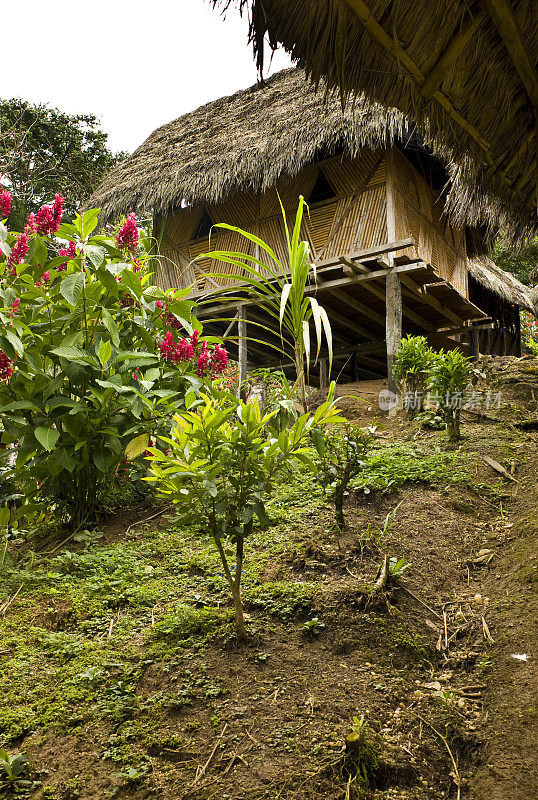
x=501, y=283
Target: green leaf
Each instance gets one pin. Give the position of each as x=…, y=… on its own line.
x=75, y=354
x=136, y=446
x=71, y=287
x=95, y=253
x=47, y=437
x=104, y=352
x=112, y=328
x=15, y=341
x=131, y=281
x=103, y=458
x=319, y=441
x=89, y=221
x=67, y=231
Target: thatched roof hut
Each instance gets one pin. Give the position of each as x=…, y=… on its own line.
x=464, y=72
x=376, y=200
x=486, y=272
x=247, y=141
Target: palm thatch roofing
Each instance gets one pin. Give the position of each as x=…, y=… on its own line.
x=248, y=140
x=245, y=141
x=502, y=283
x=465, y=72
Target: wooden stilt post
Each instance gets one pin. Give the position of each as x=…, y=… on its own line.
x=393, y=289
x=243, y=353
x=323, y=374
x=393, y=323
x=473, y=344
x=353, y=365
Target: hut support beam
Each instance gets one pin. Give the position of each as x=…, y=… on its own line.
x=455, y=48
x=323, y=374
x=393, y=323
x=404, y=60
x=243, y=353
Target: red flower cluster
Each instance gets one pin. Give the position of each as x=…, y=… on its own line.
x=48, y=219
x=6, y=367
x=127, y=236
x=5, y=204
x=208, y=362
x=15, y=306
x=19, y=250
x=168, y=317
x=70, y=252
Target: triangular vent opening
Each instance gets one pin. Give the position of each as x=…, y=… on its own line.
x=204, y=226
x=322, y=190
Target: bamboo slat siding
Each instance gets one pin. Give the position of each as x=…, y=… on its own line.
x=419, y=215
x=354, y=219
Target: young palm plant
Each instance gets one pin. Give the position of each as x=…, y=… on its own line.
x=284, y=293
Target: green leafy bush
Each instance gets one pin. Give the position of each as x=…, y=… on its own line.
x=450, y=376
x=85, y=374
x=220, y=469
x=341, y=452
x=411, y=369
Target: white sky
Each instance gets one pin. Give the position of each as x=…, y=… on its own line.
x=135, y=65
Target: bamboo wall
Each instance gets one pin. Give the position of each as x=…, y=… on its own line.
x=418, y=214
x=353, y=220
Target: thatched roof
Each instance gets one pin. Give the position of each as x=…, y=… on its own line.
x=245, y=141
x=464, y=72
x=502, y=283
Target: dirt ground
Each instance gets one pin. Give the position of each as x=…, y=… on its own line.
x=443, y=667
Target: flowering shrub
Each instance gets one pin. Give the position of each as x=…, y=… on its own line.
x=529, y=333
x=83, y=380
x=191, y=351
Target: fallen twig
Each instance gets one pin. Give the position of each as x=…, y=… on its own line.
x=499, y=468
x=148, y=519
x=200, y=772
x=415, y=597
x=8, y=601
x=456, y=776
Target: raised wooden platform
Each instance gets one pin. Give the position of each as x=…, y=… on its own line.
x=352, y=289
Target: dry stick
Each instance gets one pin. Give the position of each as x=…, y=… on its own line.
x=445, y=627
x=487, y=634
x=148, y=519
x=454, y=765
x=422, y=603
x=6, y=604
x=201, y=772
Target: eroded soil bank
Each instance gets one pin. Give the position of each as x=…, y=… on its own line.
x=121, y=676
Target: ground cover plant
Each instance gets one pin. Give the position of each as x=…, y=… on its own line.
x=418, y=368
x=91, y=357
x=412, y=368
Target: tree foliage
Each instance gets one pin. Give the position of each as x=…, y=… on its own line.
x=522, y=263
x=44, y=151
